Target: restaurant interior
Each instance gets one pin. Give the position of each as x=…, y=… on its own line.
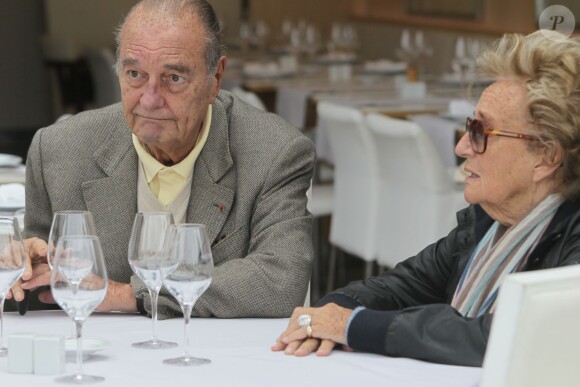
x=408, y=59
x=319, y=64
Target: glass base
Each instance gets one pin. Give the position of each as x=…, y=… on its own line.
x=154, y=344
x=79, y=379
x=3, y=351
x=186, y=361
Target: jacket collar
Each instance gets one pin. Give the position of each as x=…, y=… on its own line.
x=568, y=209
x=210, y=201
x=112, y=198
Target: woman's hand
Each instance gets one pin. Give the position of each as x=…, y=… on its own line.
x=328, y=325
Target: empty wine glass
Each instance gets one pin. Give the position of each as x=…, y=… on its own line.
x=12, y=260
x=79, y=284
x=462, y=64
x=145, y=255
x=187, y=271
x=71, y=222
x=68, y=223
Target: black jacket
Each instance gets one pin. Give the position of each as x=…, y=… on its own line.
x=408, y=308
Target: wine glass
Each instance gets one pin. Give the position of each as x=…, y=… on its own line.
x=12, y=261
x=187, y=271
x=145, y=255
x=462, y=64
x=79, y=283
x=68, y=223
x=71, y=222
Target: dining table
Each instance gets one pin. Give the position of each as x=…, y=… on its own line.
x=239, y=350
x=12, y=174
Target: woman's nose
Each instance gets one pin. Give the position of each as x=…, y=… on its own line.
x=463, y=147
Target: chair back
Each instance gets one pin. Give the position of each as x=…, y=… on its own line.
x=105, y=80
x=534, y=338
x=249, y=97
x=442, y=133
x=417, y=198
x=354, y=218
x=320, y=199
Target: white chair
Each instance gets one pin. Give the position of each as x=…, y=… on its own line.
x=320, y=199
x=105, y=80
x=534, y=340
x=442, y=132
x=418, y=199
x=249, y=97
x=320, y=204
x=354, y=219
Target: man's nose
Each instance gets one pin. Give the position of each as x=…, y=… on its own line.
x=152, y=97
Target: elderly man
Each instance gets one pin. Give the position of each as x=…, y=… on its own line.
x=177, y=143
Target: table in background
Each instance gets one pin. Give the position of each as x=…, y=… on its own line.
x=12, y=174
x=238, y=348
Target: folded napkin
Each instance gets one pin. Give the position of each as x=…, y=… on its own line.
x=12, y=195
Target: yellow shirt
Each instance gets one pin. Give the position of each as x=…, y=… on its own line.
x=167, y=182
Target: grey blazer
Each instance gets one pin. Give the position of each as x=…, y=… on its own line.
x=248, y=188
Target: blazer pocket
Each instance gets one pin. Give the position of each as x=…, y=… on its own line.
x=232, y=246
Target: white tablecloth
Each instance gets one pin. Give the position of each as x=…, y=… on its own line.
x=239, y=350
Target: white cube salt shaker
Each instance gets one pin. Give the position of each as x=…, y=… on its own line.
x=49, y=355
x=21, y=353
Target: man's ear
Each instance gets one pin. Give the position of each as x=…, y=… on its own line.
x=217, y=77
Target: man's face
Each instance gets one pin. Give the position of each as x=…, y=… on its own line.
x=164, y=82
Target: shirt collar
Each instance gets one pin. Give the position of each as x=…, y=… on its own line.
x=184, y=168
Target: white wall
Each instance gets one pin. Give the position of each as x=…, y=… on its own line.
x=24, y=92
x=85, y=23
x=90, y=23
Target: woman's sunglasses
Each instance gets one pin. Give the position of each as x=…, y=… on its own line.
x=478, y=135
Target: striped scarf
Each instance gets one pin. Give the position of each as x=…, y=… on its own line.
x=494, y=258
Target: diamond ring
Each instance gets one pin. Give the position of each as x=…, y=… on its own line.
x=304, y=320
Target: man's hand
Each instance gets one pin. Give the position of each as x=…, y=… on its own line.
x=35, y=250
x=119, y=298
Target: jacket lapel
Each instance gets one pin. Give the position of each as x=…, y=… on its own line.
x=113, y=198
x=211, y=200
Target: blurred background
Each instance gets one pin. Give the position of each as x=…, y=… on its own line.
x=44, y=71
x=410, y=60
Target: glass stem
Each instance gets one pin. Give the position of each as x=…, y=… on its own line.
x=79, y=329
x=187, y=316
x=154, y=295
x=2, y=322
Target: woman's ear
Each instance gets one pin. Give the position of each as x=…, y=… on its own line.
x=550, y=157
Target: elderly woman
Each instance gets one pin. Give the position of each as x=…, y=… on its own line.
x=523, y=181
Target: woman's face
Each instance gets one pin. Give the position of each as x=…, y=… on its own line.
x=503, y=179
